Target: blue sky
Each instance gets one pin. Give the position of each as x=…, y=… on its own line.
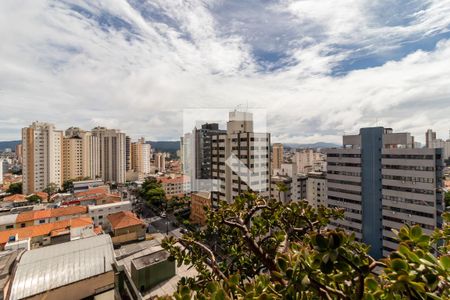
x=318, y=68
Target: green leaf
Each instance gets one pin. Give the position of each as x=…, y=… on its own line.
x=371, y=284
x=334, y=241
x=416, y=233
x=305, y=280
x=398, y=265
x=322, y=242
x=327, y=267
x=445, y=262
x=282, y=263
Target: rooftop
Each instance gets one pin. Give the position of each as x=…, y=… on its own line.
x=50, y=213
x=15, y=198
x=54, y=266
x=44, y=229
x=150, y=259
x=124, y=219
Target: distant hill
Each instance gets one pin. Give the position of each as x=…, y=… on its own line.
x=314, y=146
x=165, y=146
x=9, y=144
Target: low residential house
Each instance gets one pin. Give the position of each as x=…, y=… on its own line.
x=37, y=217
x=8, y=221
x=47, y=234
x=200, y=201
x=125, y=226
x=80, y=269
x=15, y=200
x=42, y=195
x=177, y=186
x=94, y=196
x=98, y=213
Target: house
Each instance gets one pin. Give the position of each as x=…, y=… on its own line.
x=15, y=200
x=126, y=226
x=98, y=213
x=79, y=269
x=47, y=234
x=36, y=217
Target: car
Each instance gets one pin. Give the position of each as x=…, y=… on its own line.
x=163, y=215
x=184, y=231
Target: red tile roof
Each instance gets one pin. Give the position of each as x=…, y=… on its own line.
x=124, y=219
x=44, y=229
x=91, y=192
x=15, y=198
x=50, y=213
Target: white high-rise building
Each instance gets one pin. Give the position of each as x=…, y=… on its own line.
x=42, y=157
x=160, y=162
x=251, y=171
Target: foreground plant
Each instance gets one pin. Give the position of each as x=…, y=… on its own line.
x=257, y=248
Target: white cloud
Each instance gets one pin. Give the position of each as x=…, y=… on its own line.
x=137, y=73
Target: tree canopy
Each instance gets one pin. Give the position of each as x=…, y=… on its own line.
x=152, y=191
x=15, y=188
x=258, y=248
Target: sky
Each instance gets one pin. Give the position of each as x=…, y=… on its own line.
x=319, y=69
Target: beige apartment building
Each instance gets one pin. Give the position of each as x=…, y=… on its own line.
x=81, y=154
x=42, y=148
x=112, y=157
x=277, y=156
x=140, y=157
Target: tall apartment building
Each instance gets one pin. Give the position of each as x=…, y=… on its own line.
x=81, y=154
x=430, y=136
x=42, y=156
x=160, y=162
x=383, y=182
x=277, y=156
x=248, y=156
x=140, y=157
x=19, y=153
x=433, y=142
x=316, y=188
x=308, y=160
x=112, y=146
x=73, y=158
x=202, y=149
x=128, y=154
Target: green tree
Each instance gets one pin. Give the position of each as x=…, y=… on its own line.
x=15, y=188
x=34, y=198
x=269, y=250
x=282, y=188
x=447, y=200
x=67, y=186
x=152, y=191
x=51, y=189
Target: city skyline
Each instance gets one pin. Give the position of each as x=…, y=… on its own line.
x=320, y=74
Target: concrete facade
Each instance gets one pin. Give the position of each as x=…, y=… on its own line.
x=383, y=182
